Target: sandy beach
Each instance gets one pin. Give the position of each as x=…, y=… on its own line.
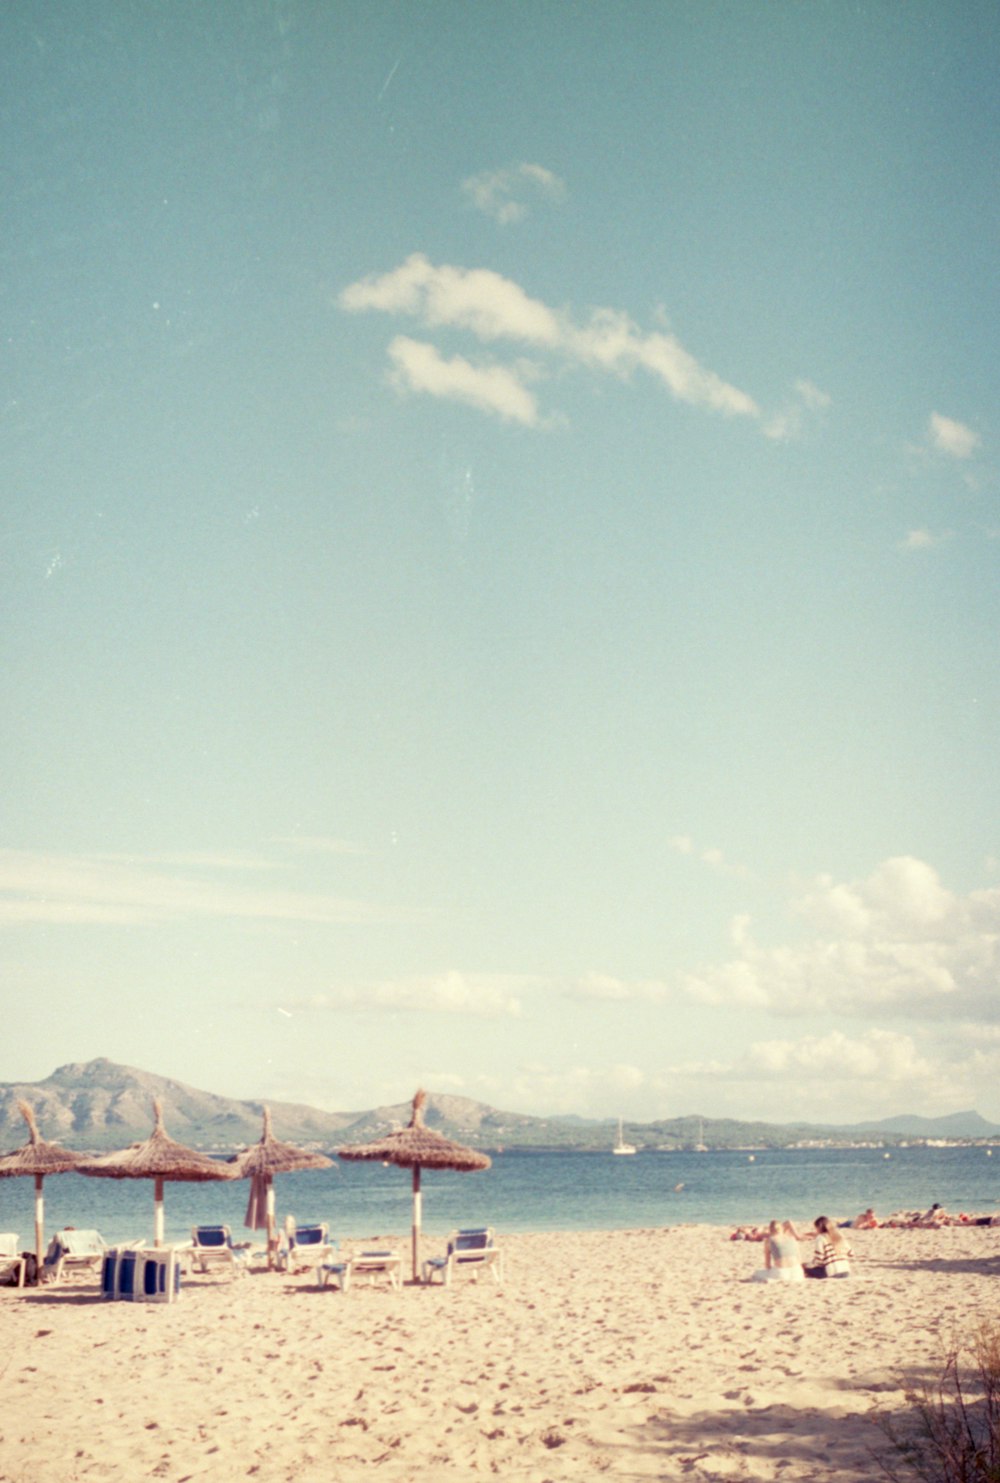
x=636, y=1355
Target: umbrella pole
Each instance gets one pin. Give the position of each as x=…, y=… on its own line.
x=158, y=1212
x=39, y=1223
x=416, y=1222
x=272, y=1233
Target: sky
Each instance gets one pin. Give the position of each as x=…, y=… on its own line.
x=500, y=543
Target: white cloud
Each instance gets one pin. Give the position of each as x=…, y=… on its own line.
x=788, y=422
x=550, y=1090
x=316, y=844
x=922, y=539
x=951, y=437
x=876, y=1055
x=74, y=889
x=603, y=986
x=812, y=397
x=486, y=996
x=485, y=303
x=420, y=367
x=709, y=855
x=493, y=308
x=896, y=943
x=504, y=194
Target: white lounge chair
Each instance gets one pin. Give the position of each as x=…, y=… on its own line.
x=470, y=1250
x=212, y=1246
x=73, y=1251
x=308, y=1246
x=366, y=1264
x=12, y=1263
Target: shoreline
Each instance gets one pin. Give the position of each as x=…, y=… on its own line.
x=637, y=1354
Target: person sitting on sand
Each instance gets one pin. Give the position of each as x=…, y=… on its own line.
x=865, y=1221
x=935, y=1216
x=832, y=1252
x=782, y=1258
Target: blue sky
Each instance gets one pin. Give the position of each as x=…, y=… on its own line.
x=500, y=552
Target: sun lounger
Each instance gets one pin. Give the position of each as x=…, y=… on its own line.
x=308, y=1246
x=470, y=1250
x=73, y=1251
x=12, y=1264
x=212, y=1246
x=366, y=1264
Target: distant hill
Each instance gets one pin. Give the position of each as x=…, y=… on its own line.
x=101, y=1105
x=954, y=1125
x=98, y=1104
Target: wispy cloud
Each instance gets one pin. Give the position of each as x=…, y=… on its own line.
x=951, y=437
x=318, y=844
x=709, y=855
x=494, y=309
x=923, y=539
x=788, y=422
x=604, y=987
x=79, y=889
x=505, y=194
x=485, y=996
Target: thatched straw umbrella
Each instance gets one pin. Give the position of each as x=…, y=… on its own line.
x=259, y=1164
x=38, y=1158
x=417, y=1147
x=159, y=1158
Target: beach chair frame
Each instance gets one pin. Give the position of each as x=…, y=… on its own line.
x=212, y=1246
x=11, y=1259
x=308, y=1246
x=73, y=1251
x=471, y=1250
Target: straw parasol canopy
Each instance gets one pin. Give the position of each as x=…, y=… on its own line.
x=38, y=1158
x=259, y=1164
x=418, y=1147
x=159, y=1158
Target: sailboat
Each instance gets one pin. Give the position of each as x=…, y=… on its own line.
x=621, y=1146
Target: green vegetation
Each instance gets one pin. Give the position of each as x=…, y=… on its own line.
x=952, y=1432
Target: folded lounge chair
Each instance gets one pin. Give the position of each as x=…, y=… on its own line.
x=136, y=1274
x=212, y=1246
x=469, y=1250
x=308, y=1246
x=73, y=1251
x=12, y=1264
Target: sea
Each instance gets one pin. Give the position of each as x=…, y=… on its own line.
x=534, y=1191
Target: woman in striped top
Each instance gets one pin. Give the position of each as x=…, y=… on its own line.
x=832, y=1253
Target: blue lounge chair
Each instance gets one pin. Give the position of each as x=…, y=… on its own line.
x=212, y=1246
x=470, y=1250
x=308, y=1246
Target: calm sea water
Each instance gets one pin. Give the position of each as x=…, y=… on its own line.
x=542, y=1192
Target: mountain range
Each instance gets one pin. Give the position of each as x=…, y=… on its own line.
x=98, y=1105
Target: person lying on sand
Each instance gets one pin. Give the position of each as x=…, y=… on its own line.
x=865, y=1221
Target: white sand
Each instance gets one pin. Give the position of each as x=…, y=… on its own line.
x=637, y=1355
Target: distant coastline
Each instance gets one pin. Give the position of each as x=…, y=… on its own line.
x=96, y=1105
